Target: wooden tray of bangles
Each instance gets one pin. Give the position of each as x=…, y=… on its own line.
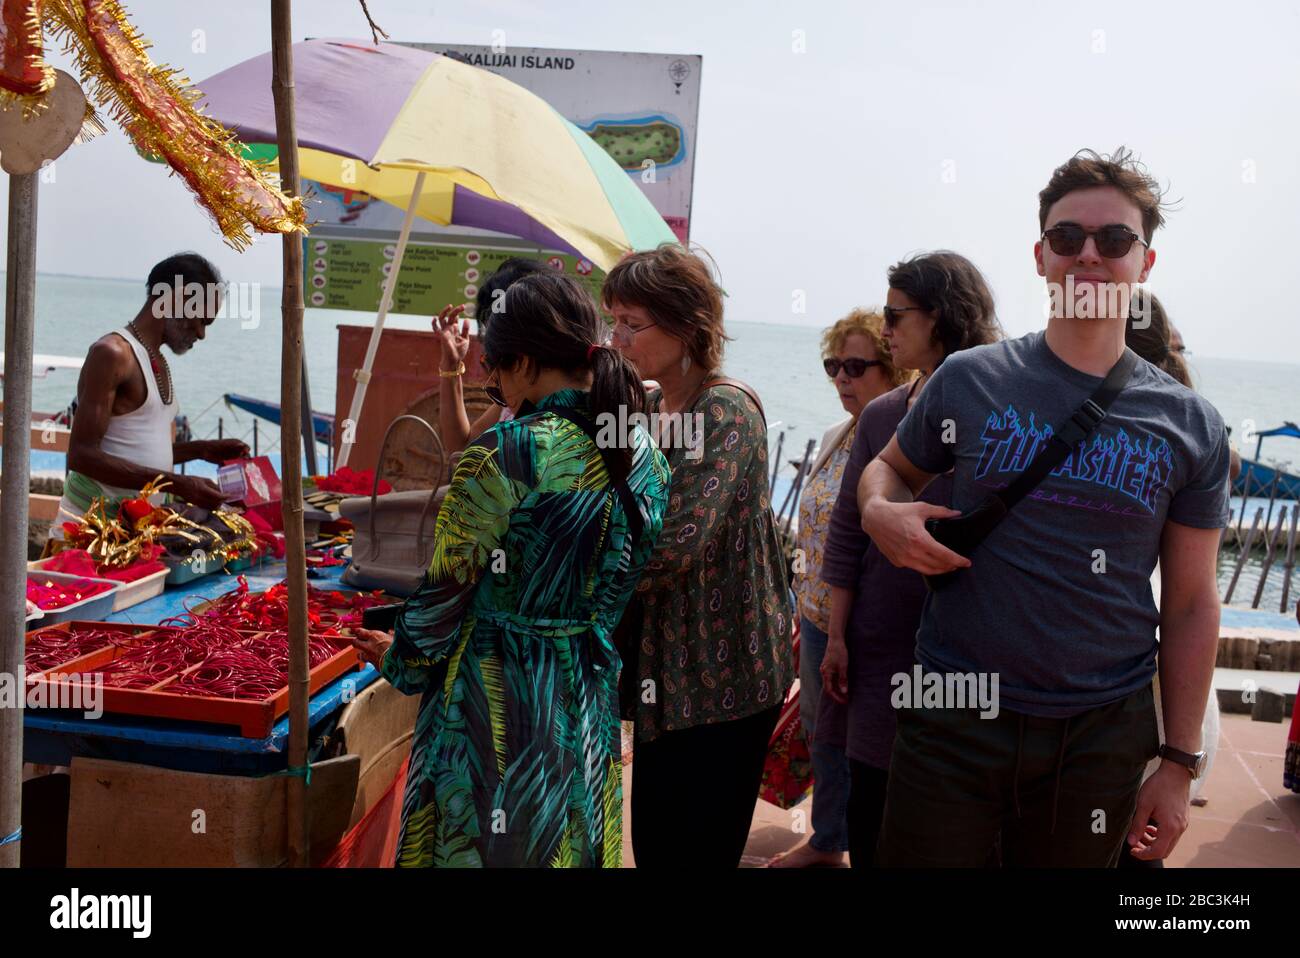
x=197, y=674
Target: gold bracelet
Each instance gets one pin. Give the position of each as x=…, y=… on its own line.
x=452, y=373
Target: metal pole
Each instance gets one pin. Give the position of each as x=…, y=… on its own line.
x=1270, y=551
x=308, y=423
x=291, y=413
x=776, y=460
x=362, y=375
x=1272, y=493
x=804, y=468
x=255, y=435
x=1245, y=551
x=1245, y=491
x=20, y=302
x=792, y=496
x=1290, y=557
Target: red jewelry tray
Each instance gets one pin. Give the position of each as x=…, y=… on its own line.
x=123, y=628
x=255, y=717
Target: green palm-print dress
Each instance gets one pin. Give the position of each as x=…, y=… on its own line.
x=516, y=758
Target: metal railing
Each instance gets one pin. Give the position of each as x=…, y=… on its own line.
x=213, y=424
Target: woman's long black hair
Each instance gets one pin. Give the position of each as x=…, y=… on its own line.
x=551, y=321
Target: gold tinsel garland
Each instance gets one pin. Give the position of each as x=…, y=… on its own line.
x=26, y=77
x=155, y=106
x=115, y=544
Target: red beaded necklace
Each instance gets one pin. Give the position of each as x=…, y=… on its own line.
x=161, y=371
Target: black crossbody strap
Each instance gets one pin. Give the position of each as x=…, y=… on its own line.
x=1075, y=429
x=634, y=519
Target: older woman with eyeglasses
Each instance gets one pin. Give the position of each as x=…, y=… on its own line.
x=709, y=657
x=856, y=358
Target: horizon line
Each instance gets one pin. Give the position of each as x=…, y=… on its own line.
x=757, y=322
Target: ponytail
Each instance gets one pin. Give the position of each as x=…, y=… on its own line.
x=615, y=385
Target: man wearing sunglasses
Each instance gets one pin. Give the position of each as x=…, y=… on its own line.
x=1055, y=601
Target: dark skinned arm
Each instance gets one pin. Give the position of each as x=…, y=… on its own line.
x=210, y=450
x=107, y=369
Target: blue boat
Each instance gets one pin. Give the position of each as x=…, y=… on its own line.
x=1257, y=479
x=322, y=423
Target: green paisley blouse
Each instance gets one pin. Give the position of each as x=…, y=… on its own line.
x=716, y=619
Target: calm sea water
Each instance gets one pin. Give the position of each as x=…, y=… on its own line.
x=782, y=362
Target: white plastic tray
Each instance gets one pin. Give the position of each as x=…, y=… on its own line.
x=128, y=593
x=92, y=609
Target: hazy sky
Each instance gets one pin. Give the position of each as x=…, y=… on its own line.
x=901, y=127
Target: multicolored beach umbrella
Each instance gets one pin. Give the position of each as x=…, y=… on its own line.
x=496, y=156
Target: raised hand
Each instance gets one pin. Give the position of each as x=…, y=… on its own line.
x=453, y=336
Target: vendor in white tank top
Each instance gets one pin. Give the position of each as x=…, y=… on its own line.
x=122, y=429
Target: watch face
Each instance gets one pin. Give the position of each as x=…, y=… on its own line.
x=1201, y=759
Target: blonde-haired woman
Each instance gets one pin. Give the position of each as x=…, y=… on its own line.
x=856, y=358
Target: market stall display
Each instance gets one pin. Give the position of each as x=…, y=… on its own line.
x=328, y=613
x=201, y=673
x=190, y=542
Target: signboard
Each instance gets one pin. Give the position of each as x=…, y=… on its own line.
x=344, y=273
x=641, y=107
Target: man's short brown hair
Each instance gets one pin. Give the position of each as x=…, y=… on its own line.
x=1088, y=169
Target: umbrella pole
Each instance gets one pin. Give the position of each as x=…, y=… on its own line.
x=308, y=422
x=295, y=558
x=20, y=300
x=362, y=375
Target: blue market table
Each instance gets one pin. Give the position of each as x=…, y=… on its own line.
x=53, y=737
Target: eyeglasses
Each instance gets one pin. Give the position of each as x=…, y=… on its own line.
x=854, y=366
x=1113, y=241
x=894, y=314
x=623, y=335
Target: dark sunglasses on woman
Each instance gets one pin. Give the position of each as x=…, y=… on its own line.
x=894, y=314
x=490, y=389
x=854, y=366
x=1113, y=241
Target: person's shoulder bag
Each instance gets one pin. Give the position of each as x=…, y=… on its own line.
x=963, y=534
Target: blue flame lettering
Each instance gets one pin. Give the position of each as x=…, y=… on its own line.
x=1136, y=466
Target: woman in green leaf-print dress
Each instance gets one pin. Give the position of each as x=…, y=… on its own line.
x=516, y=758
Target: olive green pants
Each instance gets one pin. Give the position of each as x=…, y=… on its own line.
x=1051, y=792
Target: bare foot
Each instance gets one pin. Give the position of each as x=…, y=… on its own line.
x=805, y=856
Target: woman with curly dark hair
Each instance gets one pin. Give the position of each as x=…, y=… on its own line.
x=938, y=304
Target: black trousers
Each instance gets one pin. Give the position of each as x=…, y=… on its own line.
x=1051, y=792
x=865, y=812
x=694, y=792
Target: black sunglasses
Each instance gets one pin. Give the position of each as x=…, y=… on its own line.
x=854, y=366
x=492, y=390
x=1113, y=241
x=893, y=314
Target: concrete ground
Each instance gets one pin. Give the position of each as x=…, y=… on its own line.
x=1248, y=821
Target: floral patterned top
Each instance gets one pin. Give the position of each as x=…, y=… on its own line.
x=714, y=599
x=815, y=505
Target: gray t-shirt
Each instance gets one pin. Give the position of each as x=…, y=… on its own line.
x=1062, y=637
